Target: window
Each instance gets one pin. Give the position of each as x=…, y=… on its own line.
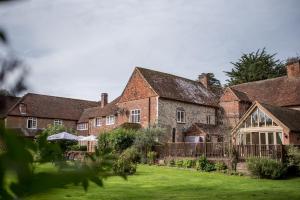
x=82, y=126
x=180, y=116
x=98, y=121
x=31, y=123
x=174, y=135
x=22, y=108
x=110, y=120
x=135, y=116
x=57, y=122
x=208, y=119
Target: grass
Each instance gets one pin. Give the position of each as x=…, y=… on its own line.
x=152, y=182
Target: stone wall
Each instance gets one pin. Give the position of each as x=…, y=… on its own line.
x=194, y=114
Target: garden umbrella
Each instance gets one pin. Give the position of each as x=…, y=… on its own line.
x=90, y=138
x=62, y=136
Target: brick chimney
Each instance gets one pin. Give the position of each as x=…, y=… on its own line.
x=293, y=68
x=104, y=99
x=203, y=78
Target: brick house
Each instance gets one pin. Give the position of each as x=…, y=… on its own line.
x=154, y=98
x=32, y=113
x=267, y=111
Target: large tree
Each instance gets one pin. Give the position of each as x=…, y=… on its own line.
x=255, y=66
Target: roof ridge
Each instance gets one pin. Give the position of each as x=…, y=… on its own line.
x=168, y=74
x=259, y=81
x=30, y=93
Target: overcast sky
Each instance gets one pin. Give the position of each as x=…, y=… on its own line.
x=80, y=48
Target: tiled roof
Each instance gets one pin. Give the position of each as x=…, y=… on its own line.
x=110, y=109
x=289, y=117
x=207, y=128
x=45, y=106
x=6, y=102
x=281, y=91
x=178, y=88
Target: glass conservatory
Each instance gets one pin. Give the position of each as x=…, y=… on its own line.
x=259, y=128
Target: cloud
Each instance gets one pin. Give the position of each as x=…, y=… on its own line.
x=80, y=48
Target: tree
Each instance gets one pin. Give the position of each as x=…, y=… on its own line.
x=255, y=66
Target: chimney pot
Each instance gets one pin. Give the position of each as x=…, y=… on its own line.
x=203, y=78
x=104, y=99
x=293, y=68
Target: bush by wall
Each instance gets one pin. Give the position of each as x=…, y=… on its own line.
x=203, y=164
x=266, y=168
x=126, y=164
x=151, y=157
x=220, y=166
x=293, y=160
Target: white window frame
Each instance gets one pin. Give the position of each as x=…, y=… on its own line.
x=34, y=122
x=208, y=119
x=57, y=122
x=110, y=120
x=182, y=116
x=82, y=126
x=98, y=122
x=135, y=116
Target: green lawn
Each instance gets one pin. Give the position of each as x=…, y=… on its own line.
x=171, y=183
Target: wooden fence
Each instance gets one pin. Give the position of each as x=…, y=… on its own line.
x=189, y=149
x=218, y=150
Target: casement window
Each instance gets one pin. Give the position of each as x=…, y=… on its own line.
x=58, y=122
x=82, y=126
x=180, y=116
x=98, y=121
x=208, y=120
x=31, y=123
x=135, y=116
x=110, y=120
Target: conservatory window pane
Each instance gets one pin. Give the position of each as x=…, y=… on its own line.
x=248, y=122
x=270, y=138
x=279, y=137
x=255, y=138
x=248, y=139
x=262, y=119
x=268, y=121
x=255, y=118
x=262, y=138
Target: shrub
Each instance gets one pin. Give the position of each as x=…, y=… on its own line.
x=116, y=140
x=146, y=139
x=104, y=142
x=266, y=168
x=151, y=157
x=179, y=163
x=171, y=163
x=131, y=126
x=220, y=166
x=126, y=163
x=203, y=164
x=188, y=163
x=293, y=159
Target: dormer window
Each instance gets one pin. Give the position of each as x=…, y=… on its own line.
x=22, y=108
x=180, y=115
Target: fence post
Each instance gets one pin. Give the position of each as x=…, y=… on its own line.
x=205, y=148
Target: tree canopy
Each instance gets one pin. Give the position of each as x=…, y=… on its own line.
x=255, y=66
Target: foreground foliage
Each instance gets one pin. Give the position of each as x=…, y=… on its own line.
x=152, y=182
x=19, y=177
